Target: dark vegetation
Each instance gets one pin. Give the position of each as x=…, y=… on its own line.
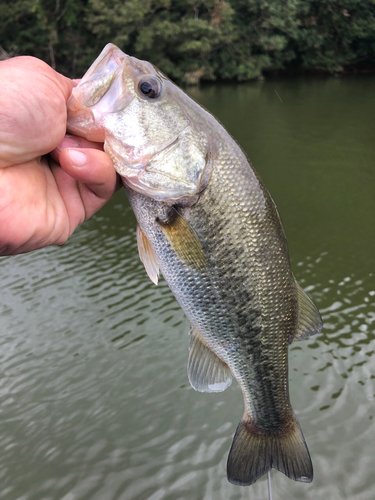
x=191, y=40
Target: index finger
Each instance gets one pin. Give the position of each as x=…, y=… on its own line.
x=32, y=109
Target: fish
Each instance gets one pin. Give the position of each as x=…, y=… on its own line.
x=207, y=223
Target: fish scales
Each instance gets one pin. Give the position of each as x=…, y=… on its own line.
x=256, y=320
x=206, y=220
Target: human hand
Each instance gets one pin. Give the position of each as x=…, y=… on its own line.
x=44, y=198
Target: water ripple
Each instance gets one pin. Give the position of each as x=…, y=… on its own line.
x=94, y=398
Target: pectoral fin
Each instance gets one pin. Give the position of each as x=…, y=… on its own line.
x=309, y=319
x=147, y=256
x=184, y=241
x=206, y=371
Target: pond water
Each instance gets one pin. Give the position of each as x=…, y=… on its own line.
x=94, y=398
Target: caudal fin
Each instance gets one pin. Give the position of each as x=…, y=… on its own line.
x=253, y=454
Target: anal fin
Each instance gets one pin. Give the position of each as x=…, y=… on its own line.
x=147, y=256
x=206, y=371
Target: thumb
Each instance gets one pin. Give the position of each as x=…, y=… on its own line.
x=91, y=167
x=96, y=179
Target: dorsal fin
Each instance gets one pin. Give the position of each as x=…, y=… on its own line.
x=147, y=256
x=206, y=371
x=309, y=319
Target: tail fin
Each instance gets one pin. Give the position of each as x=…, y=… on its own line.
x=253, y=454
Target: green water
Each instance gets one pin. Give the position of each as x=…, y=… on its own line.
x=94, y=399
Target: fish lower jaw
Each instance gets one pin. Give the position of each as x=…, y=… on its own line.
x=83, y=125
x=167, y=195
x=155, y=185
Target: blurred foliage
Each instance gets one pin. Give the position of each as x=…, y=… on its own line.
x=191, y=40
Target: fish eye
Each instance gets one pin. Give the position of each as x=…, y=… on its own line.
x=149, y=87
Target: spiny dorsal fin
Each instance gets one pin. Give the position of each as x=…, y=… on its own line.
x=184, y=241
x=309, y=320
x=206, y=371
x=147, y=256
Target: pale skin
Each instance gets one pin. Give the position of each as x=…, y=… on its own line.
x=50, y=182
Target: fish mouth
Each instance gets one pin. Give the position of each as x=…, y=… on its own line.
x=100, y=91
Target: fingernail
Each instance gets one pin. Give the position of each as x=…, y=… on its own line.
x=67, y=142
x=78, y=158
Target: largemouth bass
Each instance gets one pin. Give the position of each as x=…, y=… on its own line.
x=209, y=225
